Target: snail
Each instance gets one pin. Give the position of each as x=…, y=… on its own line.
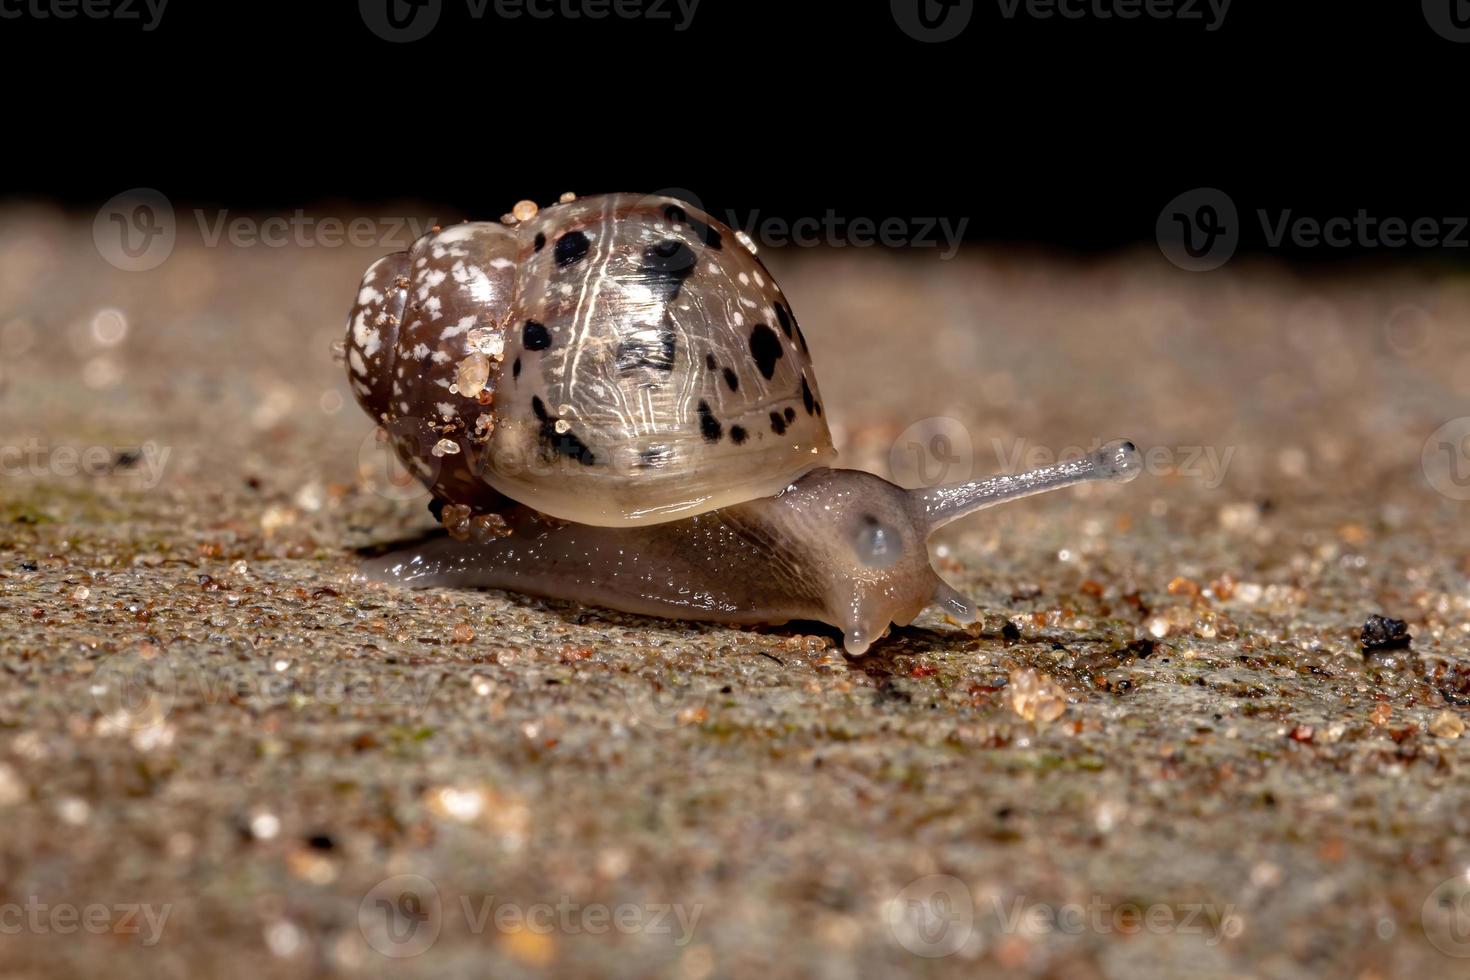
x=612, y=402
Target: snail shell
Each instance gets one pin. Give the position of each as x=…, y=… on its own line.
x=614, y=360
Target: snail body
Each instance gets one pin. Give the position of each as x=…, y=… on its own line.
x=619, y=386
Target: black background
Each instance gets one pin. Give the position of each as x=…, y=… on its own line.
x=1068, y=133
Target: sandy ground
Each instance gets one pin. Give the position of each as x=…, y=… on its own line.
x=1164, y=754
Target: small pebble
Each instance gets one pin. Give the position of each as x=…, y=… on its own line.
x=1036, y=697
x=1446, y=724
x=1382, y=633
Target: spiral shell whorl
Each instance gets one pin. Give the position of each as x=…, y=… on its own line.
x=614, y=360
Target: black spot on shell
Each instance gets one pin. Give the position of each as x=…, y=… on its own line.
x=515, y=369
x=540, y=240
x=709, y=426
x=765, y=349
x=564, y=443
x=647, y=349
x=790, y=414
x=706, y=233
x=709, y=361
x=732, y=379
x=778, y=424
x=783, y=318
x=570, y=248
x=738, y=435
x=806, y=395
x=801, y=339
x=666, y=265
x=535, y=336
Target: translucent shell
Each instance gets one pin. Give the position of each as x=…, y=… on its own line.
x=615, y=360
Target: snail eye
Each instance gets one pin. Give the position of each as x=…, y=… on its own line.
x=877, y=544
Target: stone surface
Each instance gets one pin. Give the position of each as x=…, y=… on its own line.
x=202, y=715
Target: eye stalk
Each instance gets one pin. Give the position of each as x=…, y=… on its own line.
x=1116, y=462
